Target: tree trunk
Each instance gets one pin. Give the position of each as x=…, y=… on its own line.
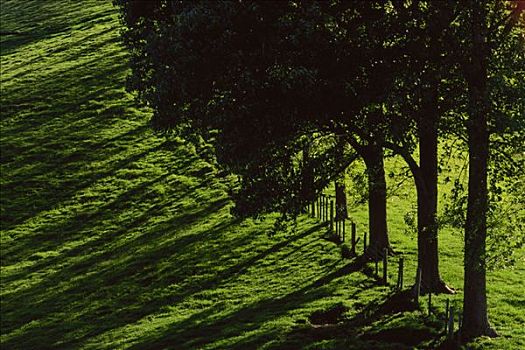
x=427, y=190
x=377, y=217
x=475, y=318
x=341, y=211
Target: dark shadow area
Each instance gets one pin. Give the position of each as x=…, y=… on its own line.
x=50, y=116
x=141, y=270
x=403, y=335
x=365, y=330
x=244, y=319
x=332, y=315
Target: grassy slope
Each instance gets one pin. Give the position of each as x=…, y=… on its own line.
x=115, y=237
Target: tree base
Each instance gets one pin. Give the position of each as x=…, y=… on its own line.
x=438, y=287
x=374, y=254
x=467, y=335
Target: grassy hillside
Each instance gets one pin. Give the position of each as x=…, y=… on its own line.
x=116, y=237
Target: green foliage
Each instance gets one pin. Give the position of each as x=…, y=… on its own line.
x=456, y=206
x=265, y=76
x=410, y=220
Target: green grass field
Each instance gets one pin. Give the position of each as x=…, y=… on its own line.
x=116, y=237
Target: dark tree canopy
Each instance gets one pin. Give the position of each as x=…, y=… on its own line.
x=290, y=93
x=261, y=78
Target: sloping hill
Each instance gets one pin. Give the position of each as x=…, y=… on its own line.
x=116, y=237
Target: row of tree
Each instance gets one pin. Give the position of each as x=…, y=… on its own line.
x=291, y=92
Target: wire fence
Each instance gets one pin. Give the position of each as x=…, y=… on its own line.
x=324, y=209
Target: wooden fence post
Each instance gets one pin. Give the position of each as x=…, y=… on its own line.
x=322, y=208
x=402, y=272
x=450, y=327
x=385, y=266
x=447, y=304
x=325, y=208
x=353, y=238
x=318, y=200
x=400, y=275
x=376, y=260
x=331, y=214
x=460, y=323
x=343, y=223
x=429, y=303
x=418, y=285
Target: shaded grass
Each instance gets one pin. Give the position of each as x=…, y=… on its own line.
x=116, y=237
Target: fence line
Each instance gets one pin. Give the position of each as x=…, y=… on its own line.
x=324, y=209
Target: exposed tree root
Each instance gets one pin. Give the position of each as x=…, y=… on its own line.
x=439, y=287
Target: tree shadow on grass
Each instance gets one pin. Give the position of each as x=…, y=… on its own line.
x=79, y=284
x=207, y=326
x=391, y=323
x=53, y=237
x=56, y=233
x=99, y=294
x=49, y=123
x=360, y=332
